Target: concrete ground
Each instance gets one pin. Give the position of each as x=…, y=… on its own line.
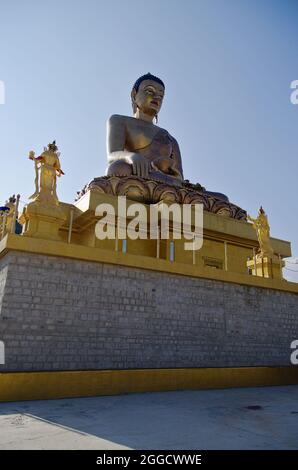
x=247, y=418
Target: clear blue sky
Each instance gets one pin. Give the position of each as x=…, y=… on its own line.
x=227, y=65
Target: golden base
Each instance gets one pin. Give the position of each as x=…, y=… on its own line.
x=42, y=220
x=266, y=267
x=63, y=384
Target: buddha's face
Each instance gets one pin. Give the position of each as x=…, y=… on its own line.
x=149, y=97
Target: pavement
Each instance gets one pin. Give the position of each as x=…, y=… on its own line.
x=242, y=418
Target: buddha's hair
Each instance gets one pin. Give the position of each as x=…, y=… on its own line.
x=148, y=76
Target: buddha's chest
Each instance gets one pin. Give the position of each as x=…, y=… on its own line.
x=150, y=141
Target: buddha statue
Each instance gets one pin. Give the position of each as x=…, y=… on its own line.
x=137, y=146
x=144, y=161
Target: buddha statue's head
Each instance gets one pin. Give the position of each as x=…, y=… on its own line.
x=147, y=95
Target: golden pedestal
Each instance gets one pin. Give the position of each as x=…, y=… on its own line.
x=266, y=267
x=42, y=220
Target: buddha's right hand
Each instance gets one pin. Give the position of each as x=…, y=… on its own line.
x=140, y=165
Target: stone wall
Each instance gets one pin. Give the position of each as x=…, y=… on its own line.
x=61, y=314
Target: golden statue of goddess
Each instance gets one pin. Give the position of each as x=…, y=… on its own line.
x=262, y=228
x=47, y=168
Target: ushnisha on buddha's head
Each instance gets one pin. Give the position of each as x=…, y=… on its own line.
x=146, y=96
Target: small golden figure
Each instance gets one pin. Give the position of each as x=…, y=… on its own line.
x=9, y=216
x=10, y=205
x=262, y=228
x=47, y=168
